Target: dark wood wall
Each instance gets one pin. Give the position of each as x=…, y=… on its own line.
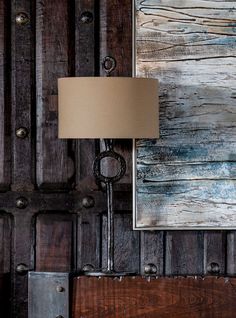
x=51, y=210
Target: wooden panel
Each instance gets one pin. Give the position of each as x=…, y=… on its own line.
x=152, y=251
x=165, y=297
x=54, y=242
x=23, y=96
x=215, y=253
x=230, y=258
x=54, y=166
x=187, y=178
x=184, y=253
x=126, y=244
x=5, y=242
x=4, y=91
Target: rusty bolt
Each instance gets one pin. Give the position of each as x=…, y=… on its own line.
x=88, y=202
x=21, y=203
x=22, y=18
x=22, y=132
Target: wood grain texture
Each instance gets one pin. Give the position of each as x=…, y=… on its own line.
x=152, y=251
x=54, y=165
x=5, y=242
x=165, y=297
x=23, y=96
x=187, y=178
x=4, y=91
x=126, y=244
x=54, y=242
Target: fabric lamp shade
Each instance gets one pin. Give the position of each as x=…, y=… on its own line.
x=108, y=107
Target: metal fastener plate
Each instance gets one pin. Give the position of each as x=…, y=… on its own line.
x=45, y=299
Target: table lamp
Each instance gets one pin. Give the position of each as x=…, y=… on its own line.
x=108, y=108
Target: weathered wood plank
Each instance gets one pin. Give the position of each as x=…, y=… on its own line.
x=231, y=253
x=5, y=242
x=190, y=49
x=126, y=244
x=192, y=204
x=23, y=96
x=184, y=253
x=4, y=91
x=54, y=165
x=165, y=297
x=152, y=252
x=54, y=242
x=215, y=253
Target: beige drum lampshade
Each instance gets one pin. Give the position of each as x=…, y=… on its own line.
x=108, y=107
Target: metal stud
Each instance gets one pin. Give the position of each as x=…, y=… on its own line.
x=88, y=268
x=21, y=203
x=86, y=17
x=22, y=132
x=109, y=64
x=60, y=289
x=22, y=269
x=88, y=202
x=22, y=18
x=59, y=316
x=150, y=269
x=213, y=268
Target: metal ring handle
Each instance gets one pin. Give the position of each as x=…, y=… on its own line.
x=109, y=154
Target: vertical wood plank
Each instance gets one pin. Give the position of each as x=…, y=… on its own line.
x=184, y=253
x=4, y=110
x=89, y=244
x=22, y=247
x=152, y=251
x=54, y=165
x=23, y=96
x=54, y=242
x=215, y=253
x=231, y=253
x=5, y=242
x=126, y=244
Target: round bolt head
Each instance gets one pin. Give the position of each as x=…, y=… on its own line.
x=22, y=132
x=59, y=316
x=88, y=202
x=150, y=269
x=60, y=289
x=86, y=17
x=213, y=268
x=21, y=203
x=22, y=18
x=22, y=269
x=88, y=268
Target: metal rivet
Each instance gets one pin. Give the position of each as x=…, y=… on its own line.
x=86, y=17
x=88, y=202
x=59, y=316
x=21, y=203
x=22, y=18
x=109, y=64
x=213, y=268
x=22, y=269
x=88, y=268
x=60, y=289
x=22, y=132
x=150, y=269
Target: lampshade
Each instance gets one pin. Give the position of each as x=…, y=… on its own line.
x=108, y=107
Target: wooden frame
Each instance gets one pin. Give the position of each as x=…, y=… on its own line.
x=186, y=180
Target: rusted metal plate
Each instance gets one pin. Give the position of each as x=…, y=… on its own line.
x=48, y=295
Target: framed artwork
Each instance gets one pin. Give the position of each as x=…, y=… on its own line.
x=187, y=178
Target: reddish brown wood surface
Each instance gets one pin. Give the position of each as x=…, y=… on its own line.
x=159, y=298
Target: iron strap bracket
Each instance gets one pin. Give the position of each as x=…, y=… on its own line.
x=48, y=295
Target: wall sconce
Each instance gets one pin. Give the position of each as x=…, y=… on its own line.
x=108, y=108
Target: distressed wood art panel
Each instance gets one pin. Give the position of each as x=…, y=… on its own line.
x=187, y=178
